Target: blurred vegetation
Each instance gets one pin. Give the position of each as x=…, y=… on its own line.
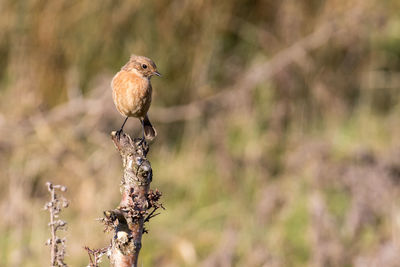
x=278, y=127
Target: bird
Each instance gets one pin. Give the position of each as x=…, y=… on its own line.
x=132, y=90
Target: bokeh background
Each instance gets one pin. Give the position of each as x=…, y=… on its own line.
x=278, y=123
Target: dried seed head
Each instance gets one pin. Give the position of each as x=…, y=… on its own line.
x=61, y=223
x=65, y=203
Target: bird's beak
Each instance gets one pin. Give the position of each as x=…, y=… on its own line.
x=157, y=73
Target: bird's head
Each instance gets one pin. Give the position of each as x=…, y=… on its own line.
x=142, y=65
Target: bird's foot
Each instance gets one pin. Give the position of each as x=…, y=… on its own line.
x=118, y=133
x=141, y=141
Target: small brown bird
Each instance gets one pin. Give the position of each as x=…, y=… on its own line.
x=132, y=89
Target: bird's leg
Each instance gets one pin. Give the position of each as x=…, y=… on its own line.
x=143, y=138
x=118, y=133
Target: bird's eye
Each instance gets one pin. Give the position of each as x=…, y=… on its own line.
x=144, y=66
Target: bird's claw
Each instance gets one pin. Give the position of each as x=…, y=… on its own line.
x=141, y=141
x=118, y=133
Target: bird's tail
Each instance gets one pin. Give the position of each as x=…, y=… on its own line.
x=149, y=132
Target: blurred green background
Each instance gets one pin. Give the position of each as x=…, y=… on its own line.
x=278, y=128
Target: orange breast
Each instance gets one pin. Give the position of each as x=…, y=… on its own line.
x=131, y=94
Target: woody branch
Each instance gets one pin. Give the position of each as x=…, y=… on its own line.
x=138, y=202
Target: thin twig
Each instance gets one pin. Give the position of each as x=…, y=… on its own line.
x=97, y=255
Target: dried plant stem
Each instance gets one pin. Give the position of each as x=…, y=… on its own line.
x=54, y=206
x=53, y=248
x=138, y=203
